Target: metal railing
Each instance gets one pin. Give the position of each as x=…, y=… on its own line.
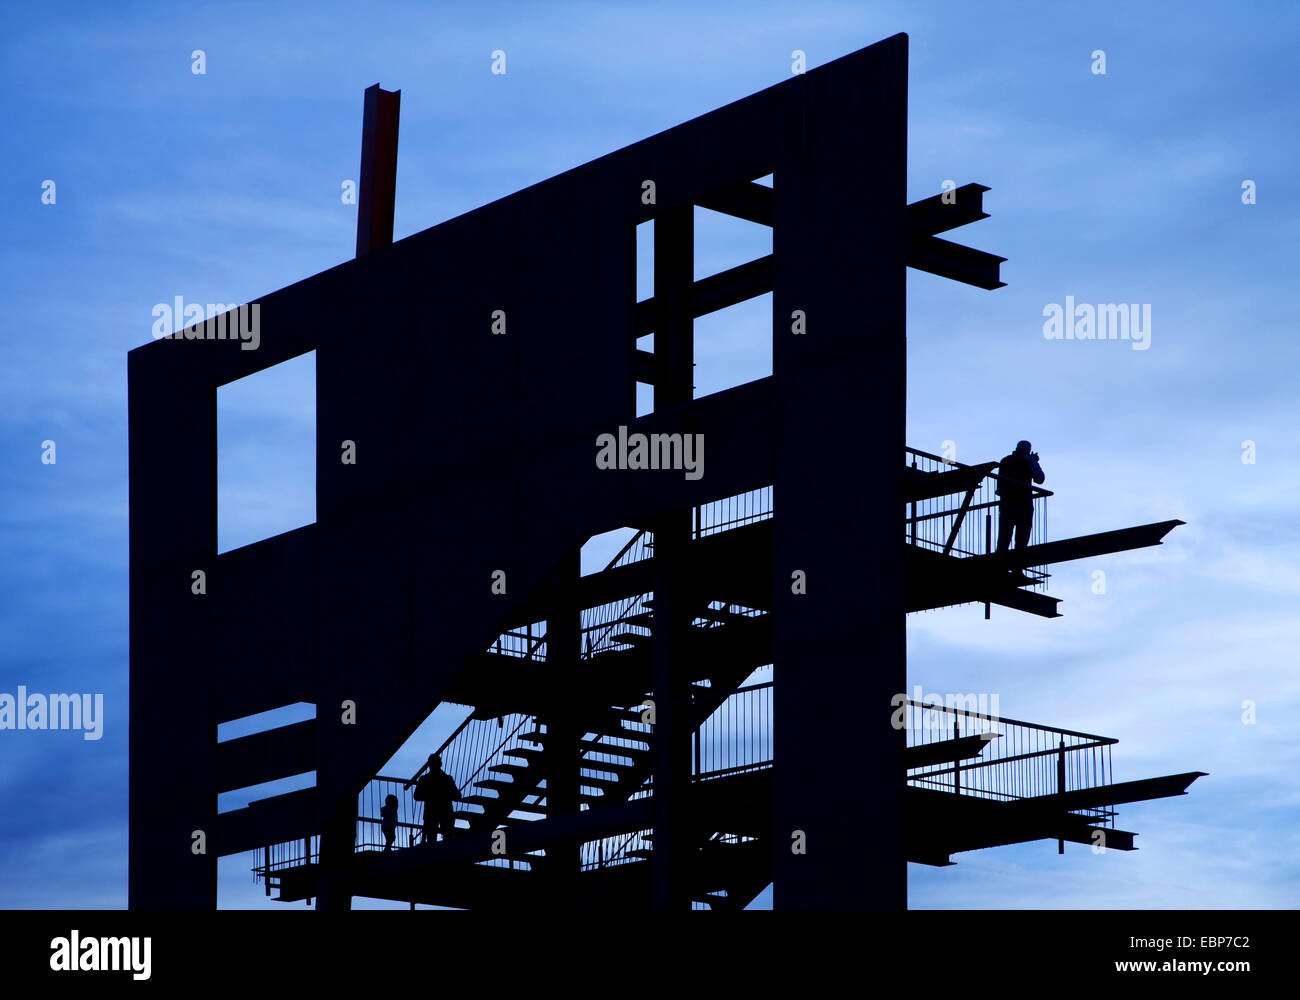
x=481, y=744
x=274, y=858
x=735, y=738
x=965, y=523
x=1026, y=760
x=732, y=512
x=529, y=643
x=738, y=735
x=409, y=818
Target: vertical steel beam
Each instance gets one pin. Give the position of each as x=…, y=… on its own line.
x=378, y=183
x=338, y=844
x=674, y=265
x=839, y=653
x=172, y=433
x=562, y=764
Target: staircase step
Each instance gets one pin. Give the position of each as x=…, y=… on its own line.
x=726, y=616
x=602, y=782
x=627, y=736
x=618, y=715
x=496, y=784
x=489, y=803
x=539, y=810
x=593, y=745
x=512, y=769
x=631, y=639
x=525, y=753
x=638, y=757
x=631, y=735
x=619, y=769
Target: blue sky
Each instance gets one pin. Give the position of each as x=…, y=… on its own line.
x=1122, y=187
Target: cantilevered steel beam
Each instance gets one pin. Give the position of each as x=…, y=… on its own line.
x=935, y=215
x=1024, y=600
x=940, y=823
x=936, y=581
x=952, y=260
x=1082, y=547
x=752, y=202
x=746, y=281
x=1110, y=795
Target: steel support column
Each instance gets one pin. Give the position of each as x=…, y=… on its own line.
x=674, y=257
x=562, y=762
x=839, y=241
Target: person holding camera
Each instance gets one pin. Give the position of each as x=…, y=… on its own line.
x=1016, y=497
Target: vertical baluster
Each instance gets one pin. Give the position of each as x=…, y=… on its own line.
x=1060, y=787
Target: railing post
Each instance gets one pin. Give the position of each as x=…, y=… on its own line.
x=988, y=547
x=1060, y=787
x=956, y=764
x=266, y=860
x=913, y=508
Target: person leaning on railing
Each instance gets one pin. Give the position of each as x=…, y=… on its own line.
x=1016, y=495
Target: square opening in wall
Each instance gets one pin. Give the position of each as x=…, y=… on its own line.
x=266, y=453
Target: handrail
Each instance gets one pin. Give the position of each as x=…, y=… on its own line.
x=933, y=769
x=608, y=566
x=529, y=655
x=1041, y=491
x=459, y=729
x=928, y=706
x=624, y=550
x=509, y=737
x=1028, y=760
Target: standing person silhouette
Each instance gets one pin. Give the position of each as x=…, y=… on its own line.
x=1016, y=503
x=438, y=792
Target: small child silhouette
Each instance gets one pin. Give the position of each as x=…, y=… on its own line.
x=389, y=825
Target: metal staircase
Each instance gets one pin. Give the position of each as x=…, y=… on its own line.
x=972, y=780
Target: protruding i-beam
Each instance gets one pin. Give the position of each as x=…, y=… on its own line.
x=1083, y=547
x=378, y=184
